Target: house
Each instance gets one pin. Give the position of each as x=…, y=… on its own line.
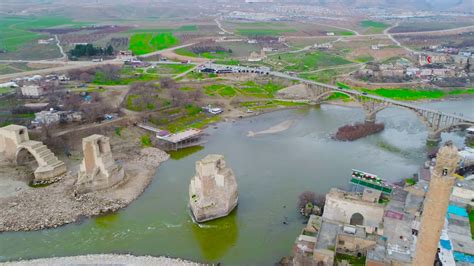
x=54, y=117
x=34, y=91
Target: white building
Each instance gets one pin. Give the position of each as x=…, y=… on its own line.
x=32, y=91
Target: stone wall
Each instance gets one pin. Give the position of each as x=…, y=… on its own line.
x=340, y=206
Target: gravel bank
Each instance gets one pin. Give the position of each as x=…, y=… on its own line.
x=56, y=204
x=102, y=259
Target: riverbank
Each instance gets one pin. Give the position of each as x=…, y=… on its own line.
x=111, y=259
x=56, y=204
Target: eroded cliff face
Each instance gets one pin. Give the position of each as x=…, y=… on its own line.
x=213, y=190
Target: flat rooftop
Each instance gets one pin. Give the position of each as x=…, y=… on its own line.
x=181, y=136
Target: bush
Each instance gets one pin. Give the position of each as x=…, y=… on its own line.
x=357, y=131
x=146, y=141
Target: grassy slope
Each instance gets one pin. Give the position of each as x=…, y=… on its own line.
x=407, y=94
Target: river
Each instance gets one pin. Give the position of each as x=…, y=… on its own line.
x=271, y=170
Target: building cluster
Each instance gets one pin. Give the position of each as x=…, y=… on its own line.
x=52, y=117
x=37, y=85
x=429, y=68
x=417, y=224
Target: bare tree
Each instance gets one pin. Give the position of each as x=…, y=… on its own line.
x=196, y=95
x=168, y=83
x=305, y=198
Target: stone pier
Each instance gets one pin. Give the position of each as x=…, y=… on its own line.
x=213, y=190
x=98, y=169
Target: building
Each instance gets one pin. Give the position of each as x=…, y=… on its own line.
x=33, y=91
x=54, y=117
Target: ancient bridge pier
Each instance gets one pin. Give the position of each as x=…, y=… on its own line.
x=15, y=144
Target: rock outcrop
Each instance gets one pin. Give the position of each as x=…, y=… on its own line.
x=213, y=190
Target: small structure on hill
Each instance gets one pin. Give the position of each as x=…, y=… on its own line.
x=15, y=146
x=213, y=190
x=98, y=169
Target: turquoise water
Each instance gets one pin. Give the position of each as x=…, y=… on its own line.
x=271, y=171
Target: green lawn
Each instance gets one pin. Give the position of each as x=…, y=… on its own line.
x=143, y=43
x=15, y=31
x=262, y=32
x=405, y=94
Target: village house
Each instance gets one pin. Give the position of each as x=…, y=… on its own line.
x=33, y=90
x=54, y=117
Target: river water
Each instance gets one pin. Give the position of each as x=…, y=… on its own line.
x=271, y=170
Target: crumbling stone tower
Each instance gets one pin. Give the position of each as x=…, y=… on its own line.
x=98, y=169
x=213, y=190
x=436, y=205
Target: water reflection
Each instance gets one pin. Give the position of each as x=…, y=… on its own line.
x=216, y=237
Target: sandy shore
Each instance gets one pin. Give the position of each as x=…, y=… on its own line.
x=285, y=125
x=56, y=204
x=102, y=259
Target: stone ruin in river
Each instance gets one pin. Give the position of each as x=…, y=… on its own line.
x=213, y=190
x=98, y=169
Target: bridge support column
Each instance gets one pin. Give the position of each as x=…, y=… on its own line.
x=370, y=118
x=434, y=137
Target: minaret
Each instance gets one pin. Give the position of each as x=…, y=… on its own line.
x=436, y=205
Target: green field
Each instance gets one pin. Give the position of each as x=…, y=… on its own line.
x=409, y=94
x=373, y=26
x=143, y=43
x=15, y=31
x=307, y=61
x=344, y=33
x=262, y=32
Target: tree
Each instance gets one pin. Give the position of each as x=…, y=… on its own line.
x=109, y=50
x=305, y=198
x=168, y=83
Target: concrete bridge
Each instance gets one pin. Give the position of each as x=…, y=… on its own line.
x=436, y=121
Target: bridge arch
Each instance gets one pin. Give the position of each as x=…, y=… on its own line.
x=323, y=95
x=15, y=145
